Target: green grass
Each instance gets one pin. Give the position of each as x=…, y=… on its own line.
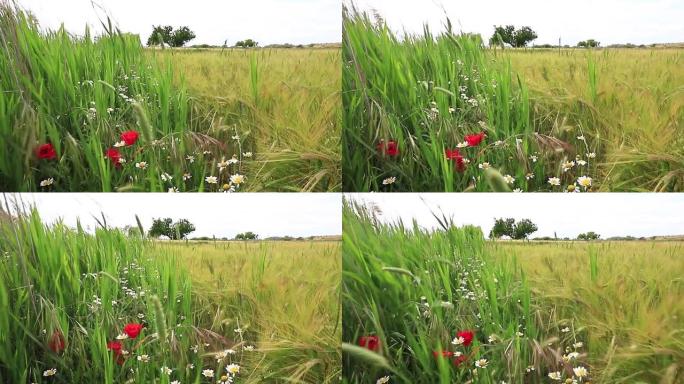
x=415, y=289
x=427, y=92
x=192, y=298
x=192, y=111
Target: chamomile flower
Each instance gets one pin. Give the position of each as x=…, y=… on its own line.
x=578, y=344
x=555, y=376
x=568, y=165
x=141, y=165
x=383, y=380
x=50, y=372
x=484, y=165
x=144, y=358
x=119, y=144
x=237, y=179
x=462, y=145
x=190, y=159
x=591, y=155
x=509, y=179
x=47, y=182
x=166, y=177
x=211, y=179
x=580, y=372
x=389, y=180
x=482, y=363
x=166, y=370
x=458, y=340
x=233, y=369
x=208, y=373
x=247, y=154
x=533, y=158
x=584, y=181
x=122, y=336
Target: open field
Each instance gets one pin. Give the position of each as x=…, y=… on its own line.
x=211, y=312
x=440, y=112
x=103, y=114
x=448, y=306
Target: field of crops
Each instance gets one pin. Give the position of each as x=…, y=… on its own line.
x=448, y=306
x=109, y=308
x=436, y=112
x=103, y=114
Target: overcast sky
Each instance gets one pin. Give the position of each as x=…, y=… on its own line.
x=608, y=21
x=609, y=214
x=267, y=214
x=213, y=21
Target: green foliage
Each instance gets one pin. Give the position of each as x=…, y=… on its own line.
x=591, y=43
x=512, y=36
x=523, y=229
x=515, y=230
x=246, y=236
x=167, y=35
x=249, y=43
x=591, y=235
x=166, y=227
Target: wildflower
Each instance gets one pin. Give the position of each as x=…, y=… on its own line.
x=47, y=182
x=114, y=155
x=119, y=144
x=578, y=344
x=194, y=348
x=222, y=165
x=584, y=181
x=482, y=363
x=463, y=337
x=459, y=359
x=519, y=334
x=568, y=165
x=484, y=165
x=208, y=373
x=115, y=347
x=509, y=179
x=122, y=336
x=591, y=155
x=190, y=159
x=110, y=110
x=390, y=148
x=233, y=369
x=247, y=154
x=580, y=372
x=462, y=145
x=144, y=358
x=46, y=152
x=50, y=372
x=141, y=165
x=211, y=179
x=130, y=137
x=581, y=137
x=237, y=179
x=166, y=370
x=529, y=176
x=370, y=342
x=383, y=380
x=133, y=329
x=187, y=176
x=236, y=137
x=518, y=141
x=438, y=354
x=498, y=143
x=554, y=181
x=491, y=338
x=389, y=180
x=56, y=342
x=175, y=382
x=475, y=139
x=555, y=375
x=452, y=109
x=248, y=348
x=533, y=158
x=233, y=160
x=565, y=330
x=581, y=162
x=457, y=157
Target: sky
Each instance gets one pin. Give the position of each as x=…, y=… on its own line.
x=222, y=215
x=608, y=21
x=609, y=214
x=213, y=21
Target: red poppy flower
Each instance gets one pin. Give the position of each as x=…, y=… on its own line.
x=370, y=342
x=133, y=330
x=129, y=137
x=458, y=360
x=114, y=155
x=475, y=139
x=438, y=354
x=456, y=156
x=56, y=342
x=467, y=336
x=115, y=347
x=390, y=148
x=46, y=152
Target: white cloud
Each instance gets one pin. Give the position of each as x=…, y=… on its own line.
x=214, y=21
x=267, y=214
x=608, y=21
x=609, y=214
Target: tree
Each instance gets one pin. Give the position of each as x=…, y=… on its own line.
x=167, y=35
x=181, y=36
x=246, y=236
x=514, y=37
x=523, y=229
x=502, y=227
x=591, y=235
x=166, y=227
x=249, y=43
x=160, y=35
x=591, y=43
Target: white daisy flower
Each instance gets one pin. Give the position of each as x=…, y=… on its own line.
x=50, y=372
x=211, y=179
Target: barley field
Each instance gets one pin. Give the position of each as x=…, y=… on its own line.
x=110, y=308
x=440, y=112
x=448, y=306
x=102, y=113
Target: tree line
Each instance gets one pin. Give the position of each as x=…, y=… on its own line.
x=177, y=37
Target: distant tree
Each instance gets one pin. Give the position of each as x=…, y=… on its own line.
x=181, y=36
x=591, y=43
x=591, y=235
x=160, y=35
x=502, y=227
x=249, y=43
x=514, y=37
x=166, y=227
x=523, y=229
x=246, y=236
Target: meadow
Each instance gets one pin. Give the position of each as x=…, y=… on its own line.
x=443, y=113
x=110, y=308
x=101, y=113
x=448, y=306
